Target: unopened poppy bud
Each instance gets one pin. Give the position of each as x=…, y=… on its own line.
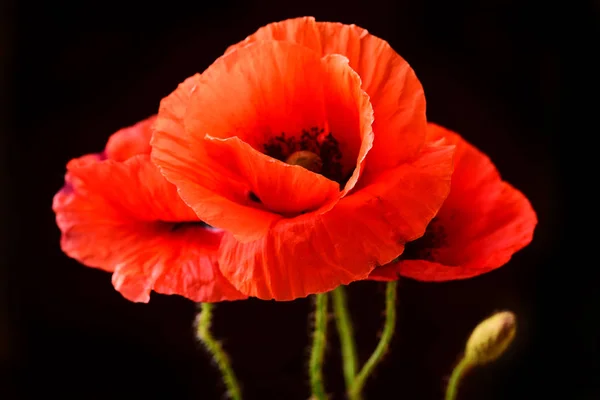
x=306, y=159
x=491, y=338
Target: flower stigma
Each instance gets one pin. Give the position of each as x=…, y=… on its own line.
x=306, y=159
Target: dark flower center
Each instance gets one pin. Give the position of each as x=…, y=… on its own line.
x=178, y=226
x=425, y=247
x=316, y=141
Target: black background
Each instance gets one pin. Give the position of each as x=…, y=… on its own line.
x=76, y=72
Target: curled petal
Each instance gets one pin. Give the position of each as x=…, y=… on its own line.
x=182, y=263
x=124, y=217
x=202, y=187
x=315, y=252
x=279, y=187
x=349, y=111
x=130, y=141
x=280, y=87
x=484, y=221
x=396, y=93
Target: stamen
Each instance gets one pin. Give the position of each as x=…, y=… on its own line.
x=315, y=140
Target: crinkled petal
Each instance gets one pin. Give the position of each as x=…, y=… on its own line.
x=213, y=193
x=124, y=217
x=130, y=141
x=316, y=252
x=484, y=221
x=183, y=262
x=279, y=187
x=349, y=111
x=279, y=87
x=396, y=93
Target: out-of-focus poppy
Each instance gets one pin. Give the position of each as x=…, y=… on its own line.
x=116, y=212
x=482, y=223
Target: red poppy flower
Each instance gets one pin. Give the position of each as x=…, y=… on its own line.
x=116, y=212
x=482, y=223
x=306, y=143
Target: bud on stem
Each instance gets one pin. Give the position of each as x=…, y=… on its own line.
x=491, y=338
x=488, y=341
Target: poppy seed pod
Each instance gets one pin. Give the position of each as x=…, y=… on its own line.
x=306, y=159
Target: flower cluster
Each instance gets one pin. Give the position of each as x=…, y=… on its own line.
x=299, y=161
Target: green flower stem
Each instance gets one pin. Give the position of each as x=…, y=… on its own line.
x=215, y=349
x=318, y=348
x=346, y=334
x=457, y=374
x=382, y=346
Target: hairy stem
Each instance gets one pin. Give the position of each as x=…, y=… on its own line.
x=346, y=334
x=215, y=349
x=382, y=346
x=318, y=348
x=457, y=374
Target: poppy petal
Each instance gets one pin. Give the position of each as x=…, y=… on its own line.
x=296, y=90
x=130, y=141
x=277, y=87
x=289, y=189
x=182, y=262
x=171, y=153
x=485, y=221
x=396, y=93
x=348, y=109
x=280, y=187
x=134, y=188
x=124, y=217
x=296, y=30
x=314, y=253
